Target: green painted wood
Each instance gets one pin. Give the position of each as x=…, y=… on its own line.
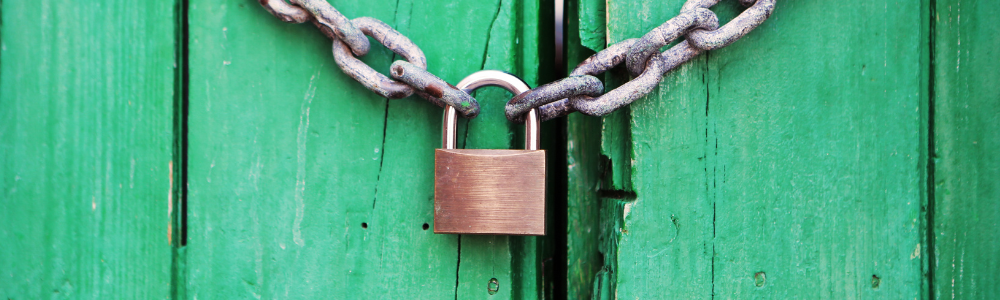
x=512, y=261
x=787, y=165
x=821, y=158
x=303, y=184
x=87, y=149
x=583, y=160
x=583, y=258
x=966, y=132
x=748, y=184
x=675, y=196
x=591, y=27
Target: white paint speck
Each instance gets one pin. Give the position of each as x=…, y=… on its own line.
x=627, y=209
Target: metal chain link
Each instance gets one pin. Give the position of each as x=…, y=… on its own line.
x=350, y=40
x=581, y=91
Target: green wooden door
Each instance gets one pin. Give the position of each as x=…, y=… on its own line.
x=964, y=160
x=87, y=153
x=303, y=184
x=837, y=151
x=204, y=149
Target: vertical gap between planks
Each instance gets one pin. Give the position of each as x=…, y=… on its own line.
x=553, y=247
x=458, y=265
x=931, y=155
x=183, y=118
x=180, y=155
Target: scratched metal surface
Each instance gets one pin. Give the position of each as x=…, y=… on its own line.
x=478, y=191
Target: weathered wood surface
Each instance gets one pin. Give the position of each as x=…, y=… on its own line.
x=966, y=154
x=305, y=185
x=838, y=151
x=86, y=149
x=583, y=206
x=787, y=165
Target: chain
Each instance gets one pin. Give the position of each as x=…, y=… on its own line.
x=350, y=41
x=581, y=91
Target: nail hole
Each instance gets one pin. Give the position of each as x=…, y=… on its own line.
x=493, y=286
x=364, y=225
x=876, y=281
x=426, y=226
x=760, y=279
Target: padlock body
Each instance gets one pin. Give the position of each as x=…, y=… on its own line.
x=479, y=191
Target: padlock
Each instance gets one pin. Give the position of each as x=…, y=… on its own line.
x=486, y=191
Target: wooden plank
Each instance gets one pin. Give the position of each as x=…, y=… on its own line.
x=304, y=184
x=665, y=234
x=786, y=165
x=966, y=122
x=590, y=26
x=87, y=149
x=820, y=154
x=585, y=256
x=484, y=258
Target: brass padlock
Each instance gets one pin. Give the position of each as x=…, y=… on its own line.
x=481, y=191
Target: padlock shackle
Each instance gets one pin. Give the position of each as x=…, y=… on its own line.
x=490, y=78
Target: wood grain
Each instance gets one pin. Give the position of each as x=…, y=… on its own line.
x=303, y=184
x=966, y=129
x=787, y=165
x=87, y=166
x=795, y=163
x=585, y=252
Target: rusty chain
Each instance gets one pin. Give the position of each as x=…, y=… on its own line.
x=350, y=41
x=581, y=91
